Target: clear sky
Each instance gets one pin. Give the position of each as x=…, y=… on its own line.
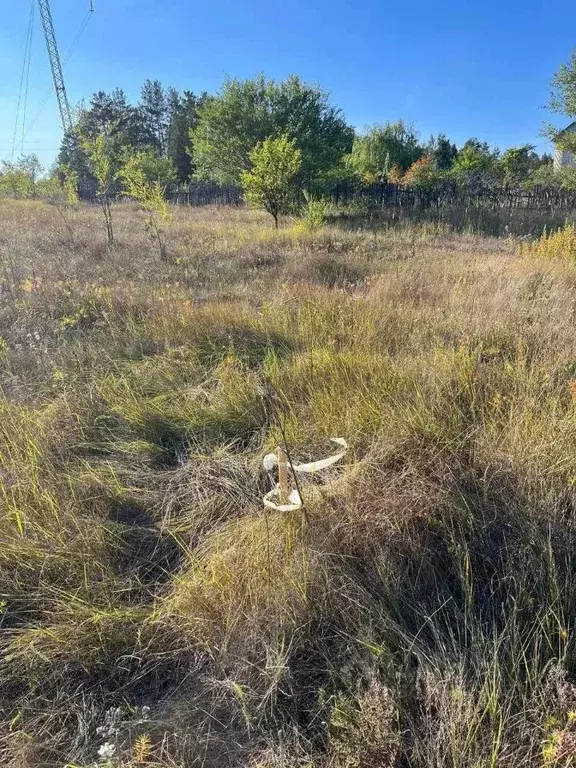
x=463, y=68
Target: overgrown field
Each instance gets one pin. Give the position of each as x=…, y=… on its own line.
x=419, y=613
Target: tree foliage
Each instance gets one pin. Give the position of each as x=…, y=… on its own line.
x=19, y=178
x=475, y=157
x=144, y=177
x=105, y=161
x=563, y=101
x=160, y=122
x=184, y=118
x=270, y=182
x=563, y=96
x=247, y=112
x=442, y=151
x=422, y=174
x=113, y=116
x=382, y=148
x=517, y=163
x=213, y=137
x=155, y=113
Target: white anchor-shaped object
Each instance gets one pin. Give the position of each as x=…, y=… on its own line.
x=271, y=460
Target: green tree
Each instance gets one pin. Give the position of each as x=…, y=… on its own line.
x=107, y=114
x=73, y=157
x=144, y=178
x=563, y=101
x=475, y=157
x=270, y=183
x=104, y=154
x=247, y=112
x=383, y=148
x=154, y=168
x=112, y=115
x=442, y=151
x=155, y=112
x=184, y=118
x=563, y=96
x=516, y=164
x=69, y=180
x=19, y=179
x=567, y=178
x=542, y=176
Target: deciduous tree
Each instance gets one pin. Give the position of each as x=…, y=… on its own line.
x=382, y=148
x=19, y=178
x=144, y=177
x=563, y=101
x=516, y=164
x=269, y=184
x=247, y=112
x=104, y=158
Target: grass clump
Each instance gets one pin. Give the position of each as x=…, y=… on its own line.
x=314, y=213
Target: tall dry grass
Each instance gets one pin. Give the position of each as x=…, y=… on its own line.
x=421, y=613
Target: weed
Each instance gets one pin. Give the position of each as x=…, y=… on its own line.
x=560, y=244
x=314, y=213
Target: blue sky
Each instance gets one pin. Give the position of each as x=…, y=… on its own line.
x=463, y=68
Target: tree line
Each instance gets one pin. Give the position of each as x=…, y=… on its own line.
x=275, y=139
x=211, y=137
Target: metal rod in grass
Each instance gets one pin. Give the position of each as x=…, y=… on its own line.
x=277, y=408
x=286, y=450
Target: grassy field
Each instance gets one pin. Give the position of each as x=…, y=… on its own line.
x=420, y=612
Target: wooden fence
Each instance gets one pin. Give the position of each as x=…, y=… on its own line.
x=449, y=195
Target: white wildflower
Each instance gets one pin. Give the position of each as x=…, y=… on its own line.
x=107, y=751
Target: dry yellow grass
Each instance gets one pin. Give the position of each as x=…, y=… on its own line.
x=558, y=244
x=421, y=613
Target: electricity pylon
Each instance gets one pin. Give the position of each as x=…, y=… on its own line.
x=56, y=64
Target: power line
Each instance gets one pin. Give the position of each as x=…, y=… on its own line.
x=33, y=149
x=27, y=75
x=78, y=35
x=27, y=52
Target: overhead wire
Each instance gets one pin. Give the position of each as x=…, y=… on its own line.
x=27, y=85
x=77, y=37
x=33, y=149
x=25, y=67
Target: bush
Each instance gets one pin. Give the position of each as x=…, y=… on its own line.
x=560, y=244
x=314, y=213
x=422, y=174
x=144, y=177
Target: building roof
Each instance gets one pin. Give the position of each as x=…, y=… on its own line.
x=569, y=128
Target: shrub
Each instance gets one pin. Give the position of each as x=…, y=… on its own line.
x=421, y=174
x=19, y=179
x=145, y=177
x=104, y=160
x=560, y=244
x=314, y=212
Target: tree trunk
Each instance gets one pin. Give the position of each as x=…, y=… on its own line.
x=106, y=208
